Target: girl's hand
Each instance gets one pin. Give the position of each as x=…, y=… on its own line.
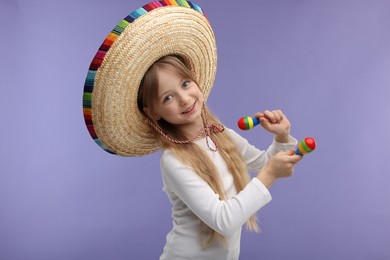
x=275, y=122
x=281, y=165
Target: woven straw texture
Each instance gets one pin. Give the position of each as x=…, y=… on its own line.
x=147, y=34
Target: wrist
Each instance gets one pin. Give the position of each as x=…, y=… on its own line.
x=266, y=178
x=283, y=138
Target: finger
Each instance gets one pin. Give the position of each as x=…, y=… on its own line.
x=269, y=116
x=280, y=114
x=294, y=158
x=265, y=123
x=258, y=115
x=277, y=115
x=291, y=152
x=288, y=153
x=291, y=157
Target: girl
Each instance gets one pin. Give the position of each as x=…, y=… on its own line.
x=146, y=90
x=204, y=166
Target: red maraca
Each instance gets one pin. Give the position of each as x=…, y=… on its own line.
x=247, y=122
x=307, y=145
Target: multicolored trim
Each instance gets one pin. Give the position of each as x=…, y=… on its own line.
x=101, y=53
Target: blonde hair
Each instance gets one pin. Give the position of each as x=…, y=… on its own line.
x=189, y=153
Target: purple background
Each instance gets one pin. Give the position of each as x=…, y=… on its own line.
x=326, y=64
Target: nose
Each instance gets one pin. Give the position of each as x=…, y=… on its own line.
x=184, y=98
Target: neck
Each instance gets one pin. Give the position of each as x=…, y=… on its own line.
x=190, y=131
x=205, y=130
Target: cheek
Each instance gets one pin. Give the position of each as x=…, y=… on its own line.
x=195, y=91
x=168, y=110
x=200, y=94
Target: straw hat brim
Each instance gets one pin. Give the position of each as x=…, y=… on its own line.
x=110, y=93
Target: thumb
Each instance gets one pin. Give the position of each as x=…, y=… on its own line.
x=294, y=158
x=265, y=123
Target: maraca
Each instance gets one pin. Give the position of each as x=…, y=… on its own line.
x=305, y=146
x=247, y=122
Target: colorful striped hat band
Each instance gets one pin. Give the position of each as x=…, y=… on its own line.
x=170, y=27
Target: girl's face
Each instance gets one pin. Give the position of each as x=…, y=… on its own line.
x=179, y=101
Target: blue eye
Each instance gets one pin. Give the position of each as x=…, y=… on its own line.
x=167, y=98
x=186, y=84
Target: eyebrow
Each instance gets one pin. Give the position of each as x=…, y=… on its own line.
x=170, y=89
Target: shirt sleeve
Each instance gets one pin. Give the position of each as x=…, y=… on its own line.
x=254, y=158
x=224, y=216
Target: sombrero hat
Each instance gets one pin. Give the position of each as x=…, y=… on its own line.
x=160, y=28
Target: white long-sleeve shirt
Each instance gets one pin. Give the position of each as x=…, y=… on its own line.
x=193, y=201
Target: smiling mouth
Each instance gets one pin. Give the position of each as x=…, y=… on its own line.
x=189, y=109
